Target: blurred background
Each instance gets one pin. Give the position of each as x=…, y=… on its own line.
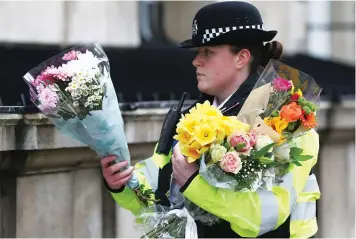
x=52, y=186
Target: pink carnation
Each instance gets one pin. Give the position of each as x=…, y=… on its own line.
x=72, y=55
x=49, y=100
x=280, y=84
x=50, y=75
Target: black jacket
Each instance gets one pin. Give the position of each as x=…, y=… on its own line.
x=221, y=230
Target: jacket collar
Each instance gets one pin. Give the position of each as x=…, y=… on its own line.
x=234, y=104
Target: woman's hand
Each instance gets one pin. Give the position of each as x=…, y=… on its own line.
x=182, y=170
x=112, y=175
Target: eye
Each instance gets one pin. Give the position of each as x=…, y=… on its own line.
x=207, y=52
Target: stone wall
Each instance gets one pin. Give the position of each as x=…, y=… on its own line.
x=51, y=185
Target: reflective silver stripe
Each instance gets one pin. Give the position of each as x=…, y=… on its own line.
x=269, y=211
x=288, y=184
x=269, y=204
x=151, y=172
x=304, y=211
x=311, y=184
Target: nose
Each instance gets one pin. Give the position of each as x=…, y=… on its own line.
x=197, y=61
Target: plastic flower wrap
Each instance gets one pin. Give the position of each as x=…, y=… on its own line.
x=74, y=90
x=252, y=150
x=161, y=222
x=286, y=99
x=168, y=222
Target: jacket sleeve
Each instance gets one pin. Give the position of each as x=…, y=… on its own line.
x=254, y=213
x=147, y=172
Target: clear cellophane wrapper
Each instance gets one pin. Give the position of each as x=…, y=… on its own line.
x=157, y=221
x=261, y=103
x=75, y=91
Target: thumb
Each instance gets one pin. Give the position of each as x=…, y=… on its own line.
x=177, y=152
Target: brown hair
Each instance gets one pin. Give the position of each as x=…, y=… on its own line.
x=262, y=54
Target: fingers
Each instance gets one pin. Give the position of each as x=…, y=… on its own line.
x=176, y=150
x=119, y=179
x=107, y=160
x=124, y=174
x=122, y=181
x=116, y=167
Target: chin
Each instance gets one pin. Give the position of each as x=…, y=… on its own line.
x=204, y=89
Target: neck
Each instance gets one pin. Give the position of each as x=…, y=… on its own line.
x=232, y=88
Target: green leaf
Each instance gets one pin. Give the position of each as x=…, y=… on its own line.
x=276, y=164
x=304, y=157
x=265, y=160
x=226, y=145
x=295, y=152
x=296, y=163
x=240, y=146
x=262, y=151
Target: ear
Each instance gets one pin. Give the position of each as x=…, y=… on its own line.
x=243, y=58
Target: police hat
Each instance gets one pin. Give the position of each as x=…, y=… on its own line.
x=235, y=23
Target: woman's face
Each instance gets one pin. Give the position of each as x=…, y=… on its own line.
x=216, y=68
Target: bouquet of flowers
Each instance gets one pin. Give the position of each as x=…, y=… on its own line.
x=74, y=90
x=254, y=149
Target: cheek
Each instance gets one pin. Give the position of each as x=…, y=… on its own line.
x=221, y=73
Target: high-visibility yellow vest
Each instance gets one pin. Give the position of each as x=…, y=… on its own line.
x=250, y=214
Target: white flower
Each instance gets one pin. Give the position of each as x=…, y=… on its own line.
x=73, y=85
x=81, y=80
x=217, y=152
x=282, y=152
x=86, y=63
x=76, y=103
x=263, y=140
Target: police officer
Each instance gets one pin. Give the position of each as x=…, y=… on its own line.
x=231, y=44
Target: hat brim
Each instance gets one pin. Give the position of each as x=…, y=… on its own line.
x=234, y=37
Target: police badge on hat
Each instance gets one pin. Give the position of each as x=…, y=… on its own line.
x=195, y=28
x=230, y=22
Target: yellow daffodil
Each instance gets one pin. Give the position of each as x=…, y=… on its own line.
x=191, y=153
x=205, y=109
x=204, y=134
x=239, y=126
x=183, y=136
x=189, y=124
